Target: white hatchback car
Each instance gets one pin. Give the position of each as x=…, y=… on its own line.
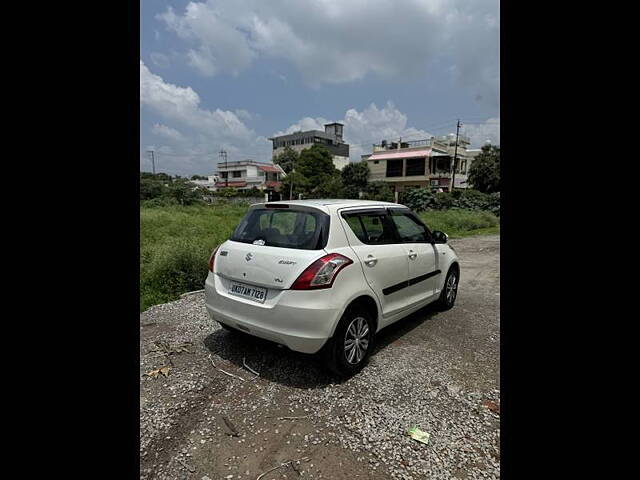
x=326, y=275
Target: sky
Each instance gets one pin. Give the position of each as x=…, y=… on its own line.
x=229, y=74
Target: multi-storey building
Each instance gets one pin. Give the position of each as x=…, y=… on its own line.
x=420, y=163
x=246, y=174
x=330, y=138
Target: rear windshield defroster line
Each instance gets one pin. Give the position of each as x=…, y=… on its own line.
x=284, y=228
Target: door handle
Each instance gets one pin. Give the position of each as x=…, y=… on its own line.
x=370, y=261
x=412, y=254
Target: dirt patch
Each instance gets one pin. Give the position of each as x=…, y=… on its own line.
x=435, y=370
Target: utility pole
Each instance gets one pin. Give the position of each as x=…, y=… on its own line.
x=153, y=162
x=223, y=155
x=455, y=157
x=291, y=184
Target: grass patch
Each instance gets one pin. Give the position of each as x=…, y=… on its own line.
x=462, y=223
x=176, y=241
x=175, y=244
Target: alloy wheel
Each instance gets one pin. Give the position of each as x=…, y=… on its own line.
x=356, y=340
x=452, y=288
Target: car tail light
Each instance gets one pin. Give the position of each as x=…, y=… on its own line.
x=322, y=272
x=212, y=258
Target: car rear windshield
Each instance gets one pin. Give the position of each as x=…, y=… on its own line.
x=284, y=227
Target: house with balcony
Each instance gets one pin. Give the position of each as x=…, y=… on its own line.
x=420, y=163
x=331, y=138
x=247, y=174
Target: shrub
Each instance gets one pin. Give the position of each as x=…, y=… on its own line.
x=444, y=201
x=494, y=203
x=379, y=191
x=252, y=192
x=151, y=187
x=423, y=199
x=419, y=199
x=159, y=202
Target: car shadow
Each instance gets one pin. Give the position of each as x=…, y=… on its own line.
x=294, y=369
x=395, y=331
x=274, y=363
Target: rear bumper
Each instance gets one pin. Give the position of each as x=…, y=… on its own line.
x=301, y=320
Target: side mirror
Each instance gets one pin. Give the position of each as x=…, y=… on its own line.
x=439, y=237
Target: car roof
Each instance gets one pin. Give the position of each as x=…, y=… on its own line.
x=336, y=203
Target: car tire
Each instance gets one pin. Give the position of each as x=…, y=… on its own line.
x=356, y=328
x=450, y=289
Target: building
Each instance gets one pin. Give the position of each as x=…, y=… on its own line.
x=247, y=174
x=420, y=163
x=330, y=138
x=209, y=184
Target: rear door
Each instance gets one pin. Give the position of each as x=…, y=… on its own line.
x=384, y=262
x=271, y=247
x=416, y=241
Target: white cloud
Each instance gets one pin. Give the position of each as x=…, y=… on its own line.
x=220, y=46
x=191, y=135
x=306, y=123
x=337, y=41
x=479, y=133
x=166, y=132
x=160, y=59
x=244, y=114
x=373, y=125
x=183, y=105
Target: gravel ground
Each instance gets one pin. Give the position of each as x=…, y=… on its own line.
x=435, y=370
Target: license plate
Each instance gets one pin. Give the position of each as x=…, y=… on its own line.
x=257, y=294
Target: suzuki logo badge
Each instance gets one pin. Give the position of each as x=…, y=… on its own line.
x=248, y=257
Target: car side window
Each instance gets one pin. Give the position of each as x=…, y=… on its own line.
x=356, y=227
x=409, y=229
x=370, y=228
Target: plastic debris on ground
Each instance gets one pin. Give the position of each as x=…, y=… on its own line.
x=419, y=435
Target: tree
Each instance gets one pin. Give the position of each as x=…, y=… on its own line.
x=297, y=180
x=315, y=175
x=317, y=162
x=151, y=187
x=330, y=187
x=184, y=192
x=484, y=172
x=287, y=159
x=380, y=191
x=355, y=177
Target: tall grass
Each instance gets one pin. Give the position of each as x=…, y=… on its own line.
x=461, y=223
x=176, y=241
x=175, y=244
